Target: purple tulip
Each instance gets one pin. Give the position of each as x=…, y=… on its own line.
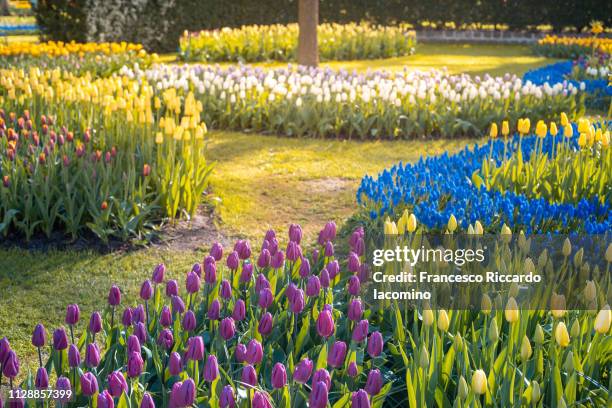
x=39, y=336
x=360, y=399
x=89, y=384
x=297, y=303
x=165, y=339
x=233, y=260
x=359, y=247
x=270, y=234
x=227, y=328
x=325, y=324
x=278, y=260
x=60, y=339
x=265, y=298
x=15, y=402
x=240, y=352
x=315, y=256
x=133, y=344
x=260, y=400
x=244, y=251
x=42, y=378
x=72, y=314
x=172, y=288
x=227, y=398
x=193, y=283
x=117, y=384
x=375, y=344
x=114, y=296
x=313, y=287
x=336, y=355
x=126, y=318
x=333, y=268
x=264, y=259
x=5, y=347
x=352, y=370
x=318, y=395
x=360, y=332
x=374, y=382
x=279, y=376
x=175, y=365
x=322, y=375
x=183, y=394
x=211, y=369
x=138, y=314
x=355, y=310
x=353, y=262
x=74, y=356
x=216, y=251
x=95, y=323
x=197, y=269
x=189, y=321
x=303, y=370
x=165, y=317
x=261, y=283
x=290, y=291
x=239, y=312
x=225, y=290
x=214, y=310
x=294, y=252
x=210, y=271
x=63, y=384
x=329, y=249
x=295, y=233
x=304, y=268
x=147, y=401
x=324, y=278
x=105, y=400
x=92, y=355
x=135, y=365
x=140, y=331
x=363, y=272
x=146, y=290
x=254, y=353
x=329, y=231
x=354, y=286
x=178, y=306
x=247, y=273
x=265, y=324
x=195, y=348
x=158, y=273
x=356, y=235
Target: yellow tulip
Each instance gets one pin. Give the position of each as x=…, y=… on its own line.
x=557, y=305
x=568, y=131
x=493, y=331
x=424, y=357
x=564, y=120
x=428, y=317
x=478, y=230
x=526, y=349
x=452, y=223
x=553, y=129
x=479, y=382
x=493, y=131
x=590, y=291
x=605, y=139
x=412, y=223
x=462, y=389
x=561, y=335
x=512, y=311
x=603, y=320
x=390, y=227
x=159, y=138
x=505, y=128
x=567, y=247
x=583, y=125
x=536, y=392
x=541, y=129
x=443, y=321
x=485, y=304
x=538, y=337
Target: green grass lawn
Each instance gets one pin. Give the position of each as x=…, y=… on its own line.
x=474, y=59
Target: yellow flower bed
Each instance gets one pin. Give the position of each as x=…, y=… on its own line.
x=59, y=48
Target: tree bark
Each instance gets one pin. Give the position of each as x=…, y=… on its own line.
x=308, y=20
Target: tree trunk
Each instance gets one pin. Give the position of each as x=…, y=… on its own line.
x=308, y=19
x=4, y=8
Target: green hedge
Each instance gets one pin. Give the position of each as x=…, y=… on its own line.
x=65, y=19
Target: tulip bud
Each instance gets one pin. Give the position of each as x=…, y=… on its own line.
x=239, y=312
x=538, y=337
x=452, y=223
x=279, y=376
x=355, y=310
x=458, y=342
x=10, y=367
x=60, y=339
x=567, y=247
x=603, y=320
x=178, y=306
x=172, y=288
x=146, y=290
x=140, y=332
x=216, y=251
x=479, y=382
x=175, y=365
x=325, y=324
x=135, y=365
x=227, y=328
x=249, y=375
x=225, y=290
x=443, y=321
x=42, y=379
x=575, y=329
x=526, y=350
x=227, y=398
x=147, y=401
x=354, y=286
x=336, y=355
x=561, y=335
x=193, y=283
x=72, y=314
x=74, y=356
x=165, y=339
x=535, y=392
x=462, y=389
x=92, y=355
x=313, y=286
x=428, y=317
x=95, y=323
x=195, y=348
x=360, y=332
x=247, y=273
x=126, y=318
x=214, y=310
x=117, y=384
x=211, y=369
x=254, y=352
x=424, y=358
x=360, y=399
x=557, y=305
x=374, y=382
x=511, y=312
x=493, y=331
x=89, y=384
x=352, y=370
x=303, y=370
x=375, y=344
x=590, y=291
x=183, y=394
x=39, y=336
x=568, y=365
x=63, y=384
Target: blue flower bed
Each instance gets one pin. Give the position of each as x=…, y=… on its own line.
x=435, y=188
x=559, y=73
x=18, y=29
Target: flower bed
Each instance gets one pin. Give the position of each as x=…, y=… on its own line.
x=97, y=59
x=290, y=329
x=438, y=188
x=78, y=154
x=377, y=105
x=279, y=43
x=553, y=46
